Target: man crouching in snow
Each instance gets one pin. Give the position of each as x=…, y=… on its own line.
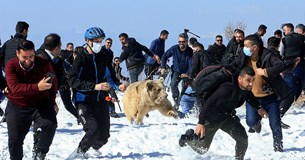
x=219, y=113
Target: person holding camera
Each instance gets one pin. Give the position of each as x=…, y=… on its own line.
x=31, y=97
x=219, y=113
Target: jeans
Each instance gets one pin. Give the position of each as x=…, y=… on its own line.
x=135, y=72
x=271, y=105
x=294, y=79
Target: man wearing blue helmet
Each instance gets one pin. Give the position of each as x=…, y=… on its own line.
x=89, y=80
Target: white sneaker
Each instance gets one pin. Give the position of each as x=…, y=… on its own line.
x=77, y=154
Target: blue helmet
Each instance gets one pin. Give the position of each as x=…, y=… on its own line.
x=94, y=32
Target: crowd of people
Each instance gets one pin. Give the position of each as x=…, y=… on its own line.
x=267, y=77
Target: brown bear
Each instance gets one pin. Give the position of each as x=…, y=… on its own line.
x=145, y=96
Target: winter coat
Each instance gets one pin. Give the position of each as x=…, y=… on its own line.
x=182, y=61
x=9, y=48
x=157, y=46
x=132, y=54
x=87, y=71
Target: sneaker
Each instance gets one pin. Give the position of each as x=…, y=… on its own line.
x=188, y=136
x=78, y=153
x=284, y=126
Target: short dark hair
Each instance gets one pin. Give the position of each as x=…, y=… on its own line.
x=51, y=41
x=21, y=26
x=183, y=35
x=197, y=44
x=278, y=32
x=164, y=32
x=70, y=43
x=273, y=41
x=254, y=40
x=26, y=45
x=108, y=39
x=300, y=26
x=123, y=35
x=262, y=27
x=218, y=36
x=115, y=58
x=289, y=25
x=246, y=70
x=193, y=40
x=239, y=31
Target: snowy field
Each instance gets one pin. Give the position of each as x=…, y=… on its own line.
x=158, y=139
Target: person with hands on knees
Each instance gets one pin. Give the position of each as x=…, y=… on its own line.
x=219, y=113
x=31, y=97
x=90, y=86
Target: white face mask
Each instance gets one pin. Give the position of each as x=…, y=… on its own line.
x=96, y=47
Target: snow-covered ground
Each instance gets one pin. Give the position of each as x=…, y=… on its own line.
x=158, y=139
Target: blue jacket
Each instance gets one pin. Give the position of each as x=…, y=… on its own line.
x=182, y=61
x=158, y=47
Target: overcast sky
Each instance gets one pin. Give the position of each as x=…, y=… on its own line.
x=144, y=19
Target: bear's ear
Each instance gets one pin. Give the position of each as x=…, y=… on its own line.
x=161, y=79
x=150, y=85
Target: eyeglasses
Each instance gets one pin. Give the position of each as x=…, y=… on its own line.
x=219, y=40
x=109, y=42
x=116, y=61
x=181, y=41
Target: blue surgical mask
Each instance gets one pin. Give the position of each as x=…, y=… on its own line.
x=247, y=51
x=96, y=47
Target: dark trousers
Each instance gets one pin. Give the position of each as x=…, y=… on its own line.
x=65, y=95
x=233, y=127
x=135, y=72
x=19, y=121
x=96, y=123
x=175, y=79
x=150, y=70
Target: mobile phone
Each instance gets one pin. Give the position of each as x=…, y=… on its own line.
x=51, y=75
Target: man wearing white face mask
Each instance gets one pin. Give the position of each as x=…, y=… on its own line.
x=88, y=79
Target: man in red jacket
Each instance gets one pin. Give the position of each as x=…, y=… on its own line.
x=32, y=88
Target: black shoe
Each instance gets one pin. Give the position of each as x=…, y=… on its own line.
x=114, y=114
x=278, y=147
x=258, y=127
x=284, y=126
x=251, y=130
x=188, y=136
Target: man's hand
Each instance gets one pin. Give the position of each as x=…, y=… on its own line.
x=162, y=71
x=122, y=87
x=200, y=130
x=296, y=61
x=43, y=84
x=102, y=86
x=260, y=71
x=263, y=113
x=157, y=58
x=5, y=91
x=183, y=75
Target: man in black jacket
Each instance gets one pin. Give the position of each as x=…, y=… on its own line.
x=217, y=50
x=219, y=113
x=268, y=86
x=9, y=48
x=132, y=54
x=234, y=46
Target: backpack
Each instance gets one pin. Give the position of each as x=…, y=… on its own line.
x=208, y=80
